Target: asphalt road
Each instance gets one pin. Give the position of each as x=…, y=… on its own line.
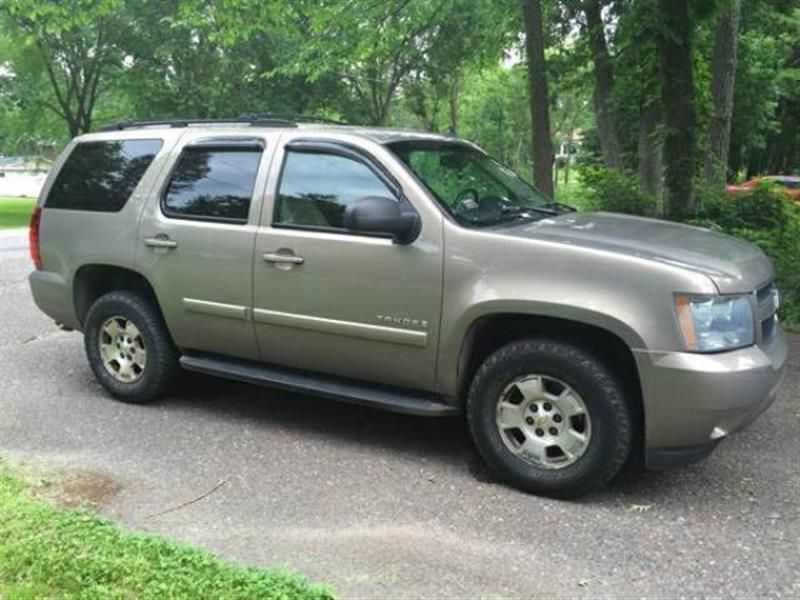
x=382, y=505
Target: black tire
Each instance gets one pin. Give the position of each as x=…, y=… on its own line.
x=603, y=395
x=162, y=357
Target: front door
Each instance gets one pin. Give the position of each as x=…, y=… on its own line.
x=328, y=300
x=196, y=242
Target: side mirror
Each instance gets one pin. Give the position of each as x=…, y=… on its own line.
x=379, y=215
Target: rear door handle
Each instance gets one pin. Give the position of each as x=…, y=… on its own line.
x=273, y=257
x=160, y=242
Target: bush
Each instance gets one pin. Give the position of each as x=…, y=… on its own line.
x=616, y=192
x=765, y=208
x=767, y=218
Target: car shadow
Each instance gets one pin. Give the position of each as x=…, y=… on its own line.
x=445, y=440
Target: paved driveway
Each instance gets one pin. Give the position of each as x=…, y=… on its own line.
x=382, y=505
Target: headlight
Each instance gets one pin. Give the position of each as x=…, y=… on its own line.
x=715, y=323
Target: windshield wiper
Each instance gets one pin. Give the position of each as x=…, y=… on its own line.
x=562, y=206
x=516, y=209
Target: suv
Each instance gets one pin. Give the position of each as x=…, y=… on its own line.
x=410, y=272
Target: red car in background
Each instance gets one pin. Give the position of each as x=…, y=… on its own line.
x=788, y=184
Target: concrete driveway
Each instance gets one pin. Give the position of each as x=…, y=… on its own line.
x=382, y=505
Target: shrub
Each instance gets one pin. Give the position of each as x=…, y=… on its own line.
x=767, y=218
x=616, y=192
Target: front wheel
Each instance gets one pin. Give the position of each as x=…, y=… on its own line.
x=549, y=418
x=129, y=348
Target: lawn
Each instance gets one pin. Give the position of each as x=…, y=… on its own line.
x=49, y=553
x=15, y=212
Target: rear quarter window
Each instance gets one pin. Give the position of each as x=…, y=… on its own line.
x=101, y=176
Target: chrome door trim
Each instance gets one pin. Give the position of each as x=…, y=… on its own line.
x=215, y=309
x=378, y=333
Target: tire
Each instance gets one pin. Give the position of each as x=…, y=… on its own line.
x=534, y=368
x=154, y=359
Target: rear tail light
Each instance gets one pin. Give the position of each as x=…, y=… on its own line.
x=33, y=237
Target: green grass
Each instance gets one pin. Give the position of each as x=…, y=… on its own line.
x=45, y=552
x=15, y=212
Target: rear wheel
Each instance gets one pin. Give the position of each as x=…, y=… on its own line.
x=129, y=348
x=550, y=418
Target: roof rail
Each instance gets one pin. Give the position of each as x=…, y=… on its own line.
x=297, y=118
x=252, y=120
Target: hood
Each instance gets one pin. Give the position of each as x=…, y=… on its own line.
x=733, y=264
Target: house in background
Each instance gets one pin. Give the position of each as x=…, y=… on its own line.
x=23, y=175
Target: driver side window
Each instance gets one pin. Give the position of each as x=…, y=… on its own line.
x=316, y=187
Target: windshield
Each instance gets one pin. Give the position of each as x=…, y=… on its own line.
x=474, y=188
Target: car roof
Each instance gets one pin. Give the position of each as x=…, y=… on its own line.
x=380, y=135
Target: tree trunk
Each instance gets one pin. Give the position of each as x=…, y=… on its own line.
x=651, y=166
x=724, y=70
x=603, y=87
x=453, y=102
x=539, y=97
x=677, y=95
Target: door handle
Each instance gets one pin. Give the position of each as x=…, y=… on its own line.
x=272, y=257
x=160, y=242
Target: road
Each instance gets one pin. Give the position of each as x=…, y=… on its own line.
x=383, y=505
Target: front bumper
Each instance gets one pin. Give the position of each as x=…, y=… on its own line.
x=691, y=401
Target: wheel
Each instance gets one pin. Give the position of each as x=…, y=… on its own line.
x=549, y=418
x=129, y=348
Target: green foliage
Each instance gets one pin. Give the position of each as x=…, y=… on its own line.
x=767, y=218
x=494, y=111
x=15, y=212
x=765, y=136
x=76, y=554
x=616, y=192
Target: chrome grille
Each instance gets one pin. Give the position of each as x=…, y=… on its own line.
x=768, y=301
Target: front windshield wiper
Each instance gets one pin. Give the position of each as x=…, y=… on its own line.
x=562, y=206
x=518, y=210
x=513, y=213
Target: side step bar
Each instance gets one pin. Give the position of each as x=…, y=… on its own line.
x=383, y=397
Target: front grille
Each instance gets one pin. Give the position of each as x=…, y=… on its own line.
x=768, y=301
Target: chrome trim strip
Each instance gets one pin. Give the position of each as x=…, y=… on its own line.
x=215, y=309
x=378, y=333
x=768, y=302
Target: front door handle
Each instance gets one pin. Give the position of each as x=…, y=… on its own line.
x=160, y=242
x=274, y=257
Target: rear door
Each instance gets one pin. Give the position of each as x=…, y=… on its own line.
x=196, y=240
x=329, y=300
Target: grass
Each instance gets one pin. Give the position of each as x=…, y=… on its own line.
x=49, y=553
x=15, y=212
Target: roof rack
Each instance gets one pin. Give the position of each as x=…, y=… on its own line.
x=252, y=120
x=297, y=118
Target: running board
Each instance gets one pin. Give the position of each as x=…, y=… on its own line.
x=347, y=390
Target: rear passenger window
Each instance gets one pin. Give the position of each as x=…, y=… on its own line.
x=213, y=183
x=101, y=176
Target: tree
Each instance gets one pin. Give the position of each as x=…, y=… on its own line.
x=538, y=97
x=678, y=100
x=637, y=71
x=765, y=133
x=76, y=43
x=724, y=76
x=603, y=86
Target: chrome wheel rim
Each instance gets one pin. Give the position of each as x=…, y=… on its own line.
x=122, y=349
x=543, y=421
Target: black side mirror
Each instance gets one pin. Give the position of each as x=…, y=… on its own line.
x=379, y=215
